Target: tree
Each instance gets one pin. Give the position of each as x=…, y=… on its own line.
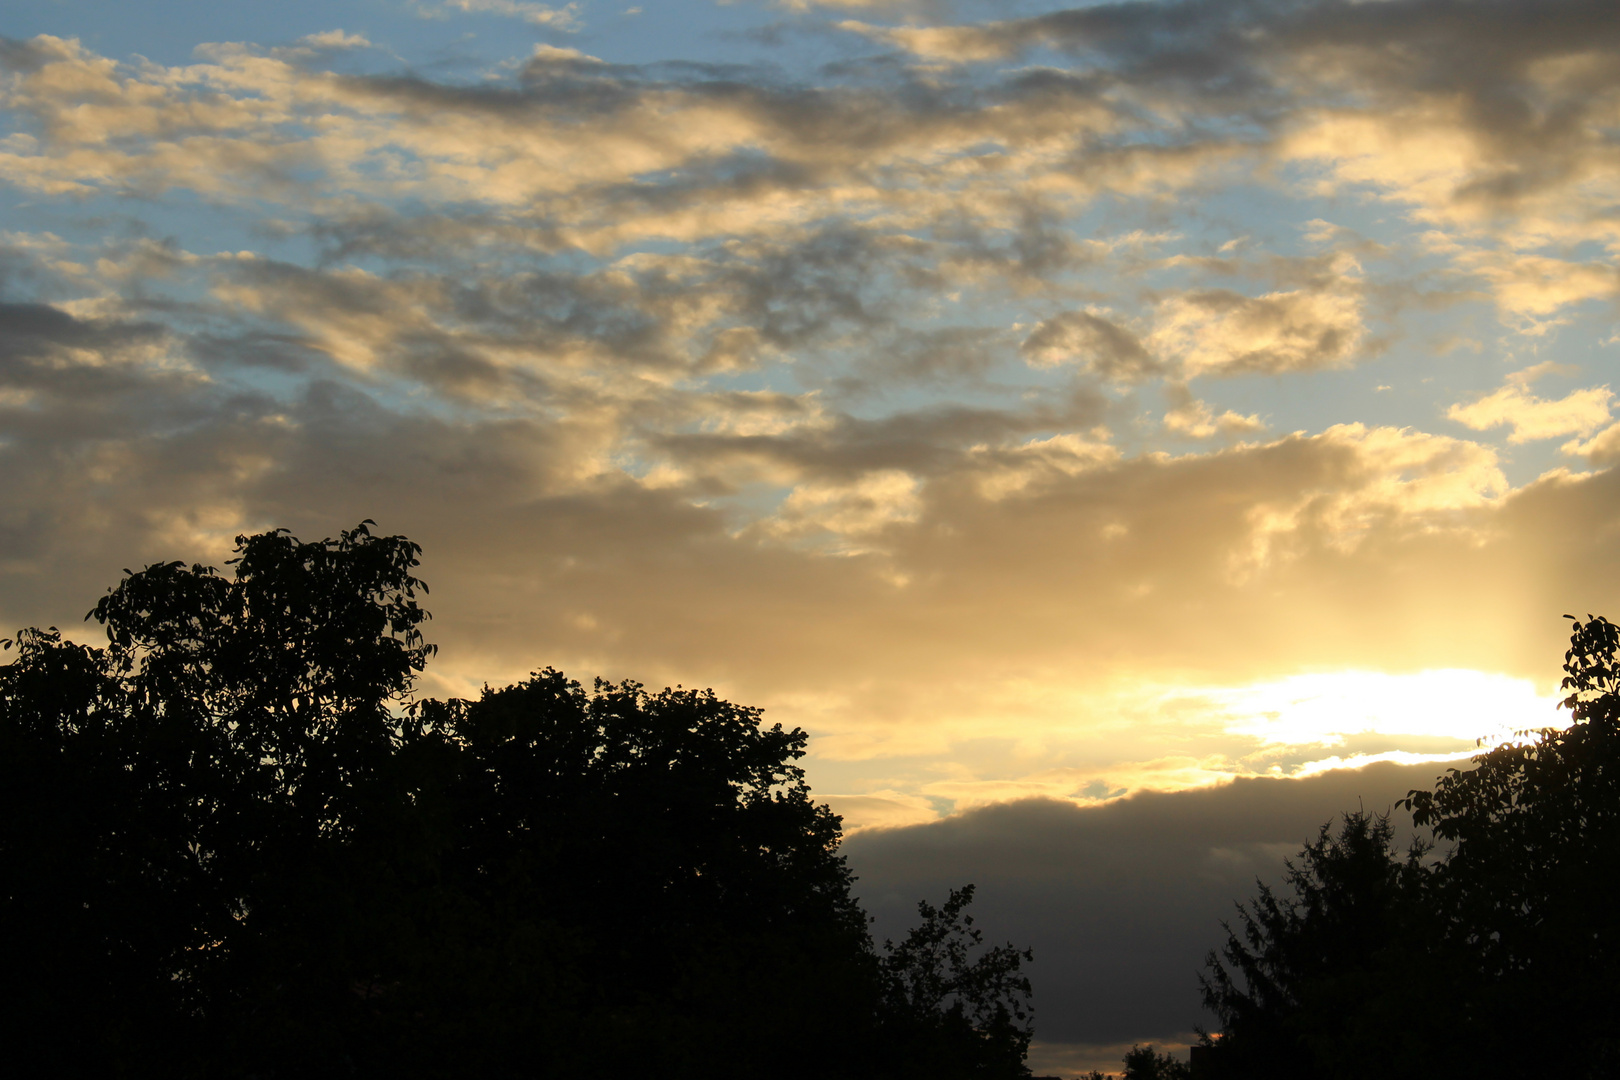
x=1146, y=1063
x=1302, y=986
x=671, y=840
x=969, y=1014
x=236, y=845
x=1526, y=893
x=173, y=801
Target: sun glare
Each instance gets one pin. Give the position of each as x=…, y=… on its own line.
x=1323, y=709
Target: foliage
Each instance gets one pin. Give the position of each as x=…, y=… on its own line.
x=1146, y=1063
x=1527, y=891
x=172, y=802
x=970, y=1013
x=1294, y=985
x=236, y=845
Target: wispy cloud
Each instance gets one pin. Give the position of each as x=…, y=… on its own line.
x=566, y=17
x=1580, y=412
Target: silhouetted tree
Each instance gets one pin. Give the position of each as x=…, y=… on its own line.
x=671, y=841
x=235, y=846
x=1146, y=1063
x=175, y=803
x=1302, y=986
x=1527, y=893
x=966, y=1014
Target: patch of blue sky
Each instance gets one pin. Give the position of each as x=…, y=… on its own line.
x=773, y=378
x=742, y=506
x=169, y=31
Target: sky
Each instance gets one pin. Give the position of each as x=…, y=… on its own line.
x=1074, y=417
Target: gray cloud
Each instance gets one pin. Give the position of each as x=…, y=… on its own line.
x=1221, y=332
x=925, y=442
x=1122, y=901
x=1101, y=345
x=1037, y=555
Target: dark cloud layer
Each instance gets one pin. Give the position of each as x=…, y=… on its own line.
x=1121, y=902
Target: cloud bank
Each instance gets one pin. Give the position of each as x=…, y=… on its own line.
x=1120, y=902
x=970, y=390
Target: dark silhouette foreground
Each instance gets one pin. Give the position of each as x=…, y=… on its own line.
x=235, y=846
x=1497, y=959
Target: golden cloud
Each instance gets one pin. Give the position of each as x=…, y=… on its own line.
x=1579, y=412
x=1220, y=332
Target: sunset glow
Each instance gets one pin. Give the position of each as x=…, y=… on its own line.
x=1322, y=710
x=1033, y=401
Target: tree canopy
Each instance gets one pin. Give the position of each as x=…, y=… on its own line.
x=236, y=845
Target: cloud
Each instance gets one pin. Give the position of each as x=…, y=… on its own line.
x=1121, y=902
x=556, y=18
x=939, y=583
x=859, y=389
x=1487, y=119
x=959, y=44
x=1092, y=340
x=980, y=527
x=1601, y=449
x=565, y=424
x=1323, y=708
x=1579, y=412
x=1331, y=88
x=1195, y=419
x=880, y=810
x=1531, y=285
x=737, y=156
x=335, y=39
x=1219, y=332
x=807, y=5
x=872, y=502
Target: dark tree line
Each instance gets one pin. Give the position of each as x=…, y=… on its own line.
x=1493, y=954
x=235, y=846
x=1146, y=1063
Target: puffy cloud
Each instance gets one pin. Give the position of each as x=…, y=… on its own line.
x=936, y=585
x=1195, y=419
x=1601, y=449
x=880, y=810
x=1220, y=332
x=872, y=502
x=1422, y=125
x=976, y=550
x=737, y=157
x=1485, y=119
x=1000, y=472
x=1531, y=285
x=959, y=44
x=1091, y=339
x=1579, y=412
